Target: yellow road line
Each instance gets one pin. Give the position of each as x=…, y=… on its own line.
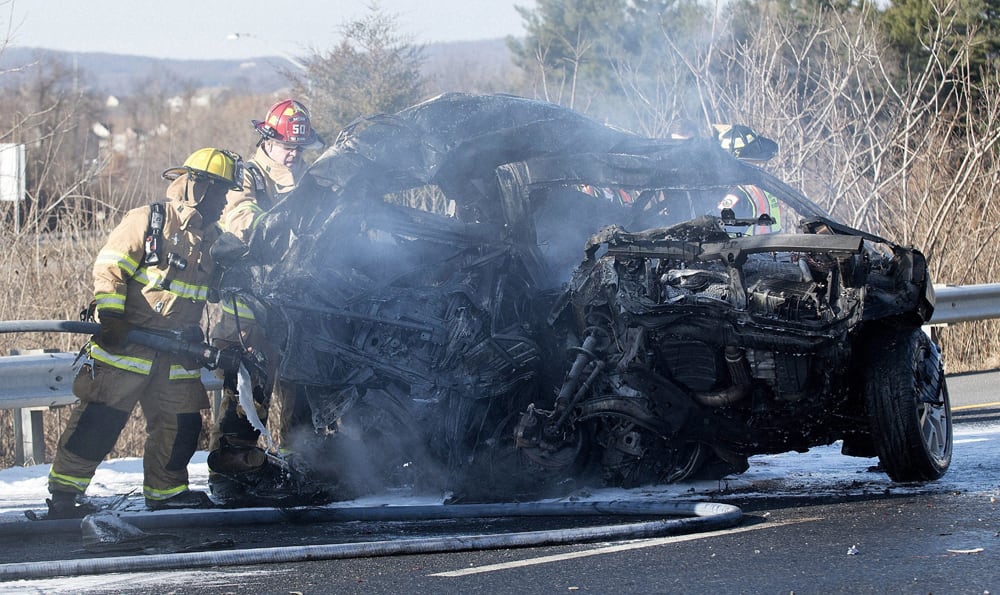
x=643, y=543
x=976, y=406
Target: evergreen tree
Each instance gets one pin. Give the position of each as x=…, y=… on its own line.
x=594, y=55
x=909, y=25
x=373, y=70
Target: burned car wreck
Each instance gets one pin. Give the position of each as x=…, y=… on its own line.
x=501, y=298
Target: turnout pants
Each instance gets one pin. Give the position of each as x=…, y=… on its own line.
x=107, y=396
x=230, y=420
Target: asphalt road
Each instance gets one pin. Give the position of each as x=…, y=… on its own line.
x=927, y=542
x=927, y=538
x=975, y=396
x=933, y=543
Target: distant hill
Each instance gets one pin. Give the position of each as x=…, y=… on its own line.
x=116, y=74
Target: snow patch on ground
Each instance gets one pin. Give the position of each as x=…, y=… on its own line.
x=822, y=471
x=226, y=582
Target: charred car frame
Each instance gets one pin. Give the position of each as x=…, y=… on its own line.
x=574, y=308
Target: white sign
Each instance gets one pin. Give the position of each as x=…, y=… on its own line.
x=11, y=172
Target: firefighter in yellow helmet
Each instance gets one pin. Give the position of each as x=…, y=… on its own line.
x=153, y=273
x=271, y=173
x=748, y=201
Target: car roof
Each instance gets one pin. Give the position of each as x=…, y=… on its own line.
x=458, y=142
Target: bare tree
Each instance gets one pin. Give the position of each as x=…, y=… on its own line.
x=914, y=161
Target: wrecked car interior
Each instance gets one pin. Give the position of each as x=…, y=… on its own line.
x=498, y=298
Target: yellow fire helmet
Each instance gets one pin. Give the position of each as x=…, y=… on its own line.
x=745, y=143
x=218, y=165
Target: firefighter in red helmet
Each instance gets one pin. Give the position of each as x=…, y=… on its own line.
x=285, y=132
x=275, y=167
x=273, y=171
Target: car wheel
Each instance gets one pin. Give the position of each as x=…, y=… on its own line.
x=908, y=407
x=691, y=457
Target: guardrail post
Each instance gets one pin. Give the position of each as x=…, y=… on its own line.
x=29, y=437
x=29, y=426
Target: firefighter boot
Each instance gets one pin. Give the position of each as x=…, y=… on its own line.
x=64, y=505
x=229, y=462
x=186, y=499
x=232, y=457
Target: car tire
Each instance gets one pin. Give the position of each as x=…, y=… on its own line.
x=907, y=399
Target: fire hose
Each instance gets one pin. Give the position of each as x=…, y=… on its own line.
x=697, y=517
x=207, y=356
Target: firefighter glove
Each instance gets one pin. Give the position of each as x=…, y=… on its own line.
x=192, y=334
x=227, y=359
x=228, y=250
x=113, y=333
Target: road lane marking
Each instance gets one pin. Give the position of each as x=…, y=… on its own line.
x=634, y=545
x=976, y=406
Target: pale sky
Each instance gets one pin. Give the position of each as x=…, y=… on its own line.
x=198, y=29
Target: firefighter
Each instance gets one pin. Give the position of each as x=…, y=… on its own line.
x=153, y=273
x=748, y=201
x=275, y=167
x=745, y=143
x=272, y=172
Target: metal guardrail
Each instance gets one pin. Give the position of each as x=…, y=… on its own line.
x=32, y=382
x=46, y=380
x=964, y=303
x=38, y=380
x=42, y=379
